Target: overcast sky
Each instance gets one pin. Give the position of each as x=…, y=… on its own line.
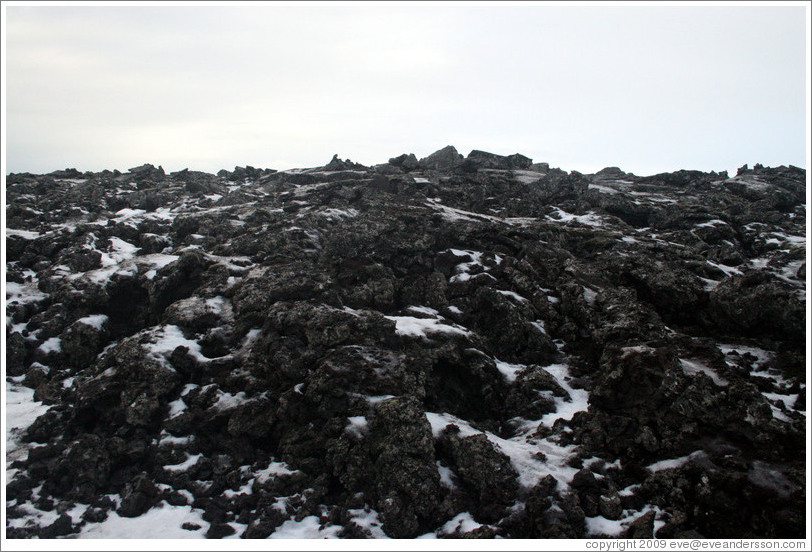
x=648, y=88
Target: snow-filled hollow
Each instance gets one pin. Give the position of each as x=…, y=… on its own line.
x=522, y=451
x=411, y=326
x=693, y=367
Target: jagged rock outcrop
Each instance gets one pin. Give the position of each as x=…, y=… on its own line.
x=453, y=346
x=442, y=160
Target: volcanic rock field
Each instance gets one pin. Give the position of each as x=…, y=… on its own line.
x=445, y=347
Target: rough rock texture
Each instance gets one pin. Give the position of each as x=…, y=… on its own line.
x=470, y=347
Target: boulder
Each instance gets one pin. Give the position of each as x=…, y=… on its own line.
x=147, y=171
x=406, y=162
x=84, y=340
x=138, y=497
x=407, y=483
x=483, y=160
x=754, y=303
x=442, y=160
x=337, y=164
x=485, y=470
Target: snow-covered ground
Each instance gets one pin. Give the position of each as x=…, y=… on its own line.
x=412, y=326
x=780, y=398
x=20, y=411
x=167, y=521
x=303, y=219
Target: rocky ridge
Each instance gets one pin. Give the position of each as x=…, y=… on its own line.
x=451, y=347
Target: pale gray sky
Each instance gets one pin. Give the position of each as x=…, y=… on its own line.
x=648, y=88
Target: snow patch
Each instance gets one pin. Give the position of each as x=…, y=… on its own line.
x=589, y=219
x=218, y=305
x=674, y=463
x=462, y=271
x=23, y=294
x=338, y=214
x=191, y=460
x=357, y=426
x=750, y=181
x=513, y=295
x=42, y=518
x=421, y=327
x=446, y=476
x=375, y=399
x=161, y=522
x=127, y=213
x=565, y=409
x=510, y=371
x=227, y=401
x=157, y=260
x=459, y=215
x=94, y=321
x=170, y=337
x=711, y=224
x=762, y=356
x=119, y=251
x=590, y=295
x=528, y=177
x=24, y=234
x=307, y=528
x=21, y=411
x=779, y=398
x=539, y=325
x=368, y=519
x=523, y=452
x=439, y=421
x=274, y=469
x=693, y=367
x=602, y=189
x=422, y=310
x=728, y=270
x=51, y=345
x=599, y=525
x=461, y=523
x=176, y=407
x=166, y=438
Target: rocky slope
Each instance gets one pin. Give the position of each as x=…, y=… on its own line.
x=454, y=346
